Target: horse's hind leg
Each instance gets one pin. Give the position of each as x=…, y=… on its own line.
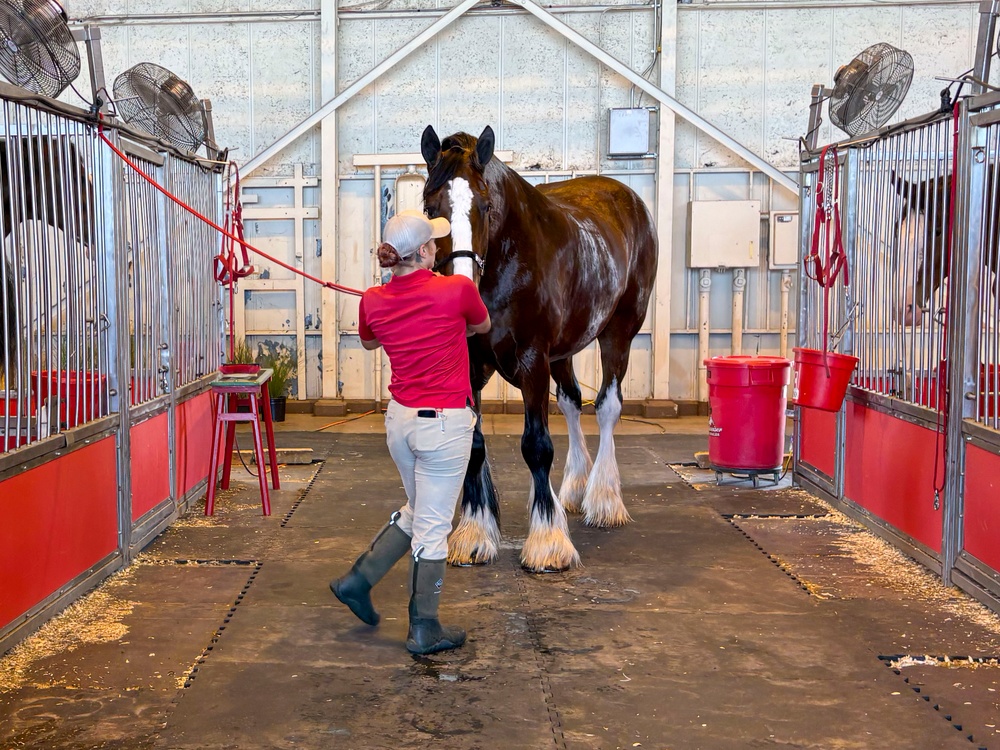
x=602, y=501
x=476, y=539
x=548, y=546
x=578, y=462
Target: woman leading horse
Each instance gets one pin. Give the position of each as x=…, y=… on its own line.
x=558, y=265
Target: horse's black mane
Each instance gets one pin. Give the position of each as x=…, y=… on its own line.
x=455, y=150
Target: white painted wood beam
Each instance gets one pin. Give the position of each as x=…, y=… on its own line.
x=660, y=95
x=372, y=75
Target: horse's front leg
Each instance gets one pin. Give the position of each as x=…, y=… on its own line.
x=548, y=546
x=476, y=539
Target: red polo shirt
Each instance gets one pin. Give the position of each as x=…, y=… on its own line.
x=420, y=320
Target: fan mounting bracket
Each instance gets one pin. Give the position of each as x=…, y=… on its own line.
x=91, y=38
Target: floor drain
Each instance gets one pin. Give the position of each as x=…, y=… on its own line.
x=193, y=672
x=898, y=662
x=765, y=516
x=555, y=718
x=901, y=661
x=302, y=495
x=777, y=562
x=202, y=561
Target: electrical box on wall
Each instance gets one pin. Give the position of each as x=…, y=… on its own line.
x=784, y=239
x=410, y=192
x=629, y=133
x=723, y=234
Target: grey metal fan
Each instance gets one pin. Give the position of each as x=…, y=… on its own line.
x=152, y=98
x=37, y=50
x=866, y=93
x=869, y=89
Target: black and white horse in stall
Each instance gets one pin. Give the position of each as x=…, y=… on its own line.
x=41, y=178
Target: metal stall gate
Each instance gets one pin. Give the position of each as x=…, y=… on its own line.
x=921, y=410
x=111, y=327
x=972, y=526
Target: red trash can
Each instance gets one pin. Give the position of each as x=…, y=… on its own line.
x=746, y=429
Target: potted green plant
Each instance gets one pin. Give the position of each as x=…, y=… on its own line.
x=283, y=366
x=242, y=360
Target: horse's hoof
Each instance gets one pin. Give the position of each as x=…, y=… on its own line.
x=470, y=561
x=606, y=520
x=604, y=510
x=476, y=541
x=548, y=569
x=554, y=561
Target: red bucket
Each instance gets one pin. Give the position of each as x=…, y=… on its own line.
x=815, y=386
x=746, y=431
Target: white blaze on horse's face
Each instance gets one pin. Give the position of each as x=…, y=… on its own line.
x=461, y=224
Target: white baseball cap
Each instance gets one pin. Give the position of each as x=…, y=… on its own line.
x=408, y=230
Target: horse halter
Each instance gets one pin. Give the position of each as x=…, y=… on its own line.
x=828, y=219
x=460, y=254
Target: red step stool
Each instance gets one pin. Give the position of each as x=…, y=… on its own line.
x=227, y=391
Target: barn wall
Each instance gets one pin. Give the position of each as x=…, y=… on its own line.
x=745, y=68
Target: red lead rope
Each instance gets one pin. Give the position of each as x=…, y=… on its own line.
x=826, y=229
x=243, y=243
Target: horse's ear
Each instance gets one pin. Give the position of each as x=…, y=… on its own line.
x=430, y=146
x=906, y=189
x=484, y=146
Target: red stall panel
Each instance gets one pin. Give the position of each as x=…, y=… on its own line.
x=150, y=462
x=982, y=505
x=194, y=441
x=818, y=444
x=889, y=471
x=56, y=521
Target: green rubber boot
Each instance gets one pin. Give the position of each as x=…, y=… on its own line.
x=354, y=589
x=427, y=635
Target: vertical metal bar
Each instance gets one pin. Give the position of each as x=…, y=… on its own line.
x=18, y=377
x=168, y=352
x=29, y=235
x=970, y=163
x=802, y=323
x=988, y=10
x=987, y=393
x=852, y=178
x=114, y=259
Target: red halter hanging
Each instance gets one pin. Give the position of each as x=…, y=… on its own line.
x=828, y=217
x=227, y=269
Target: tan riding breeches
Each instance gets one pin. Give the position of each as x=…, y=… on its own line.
x=431, y=449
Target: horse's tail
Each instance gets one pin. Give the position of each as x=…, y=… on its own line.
x=10, y=329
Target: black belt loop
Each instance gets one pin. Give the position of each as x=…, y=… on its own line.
x=427, y=413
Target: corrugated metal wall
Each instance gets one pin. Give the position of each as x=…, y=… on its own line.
x=747, y=67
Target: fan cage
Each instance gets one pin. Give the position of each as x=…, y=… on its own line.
x=152, y=98
x=869, y=89
x=37, y=49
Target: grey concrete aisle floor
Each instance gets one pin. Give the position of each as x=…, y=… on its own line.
x=722, y=617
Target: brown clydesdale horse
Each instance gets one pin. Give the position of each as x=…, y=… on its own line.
x=557, y=265
x=926, y=218
x=42, y=178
